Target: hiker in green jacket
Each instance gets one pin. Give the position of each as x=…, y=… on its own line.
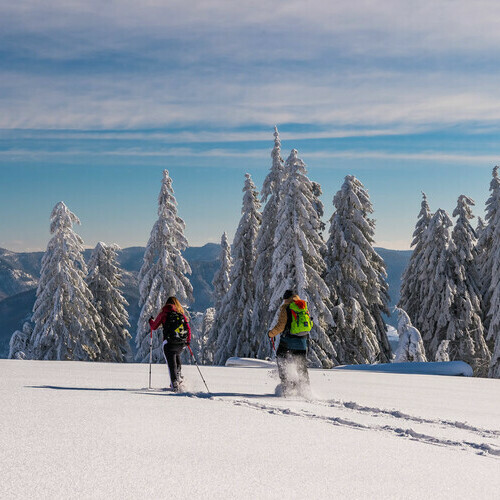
x=294, y=325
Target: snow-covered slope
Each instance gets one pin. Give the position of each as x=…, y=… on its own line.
x=91, y=430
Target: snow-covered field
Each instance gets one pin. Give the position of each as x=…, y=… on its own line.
x=83, y=430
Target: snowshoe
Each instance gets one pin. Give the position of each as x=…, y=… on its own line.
x=178, y=387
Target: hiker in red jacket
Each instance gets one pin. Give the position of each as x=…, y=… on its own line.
x=176, y=336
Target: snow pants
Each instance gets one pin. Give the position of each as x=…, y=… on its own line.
x=285, y=359
x=172, y=353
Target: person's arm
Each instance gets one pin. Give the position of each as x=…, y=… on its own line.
x=280, y=325
x=155, y=323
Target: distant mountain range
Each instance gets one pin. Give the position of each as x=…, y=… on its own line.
x=19, y=273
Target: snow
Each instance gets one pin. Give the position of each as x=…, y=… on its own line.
x=417, y=368
x=76, y=429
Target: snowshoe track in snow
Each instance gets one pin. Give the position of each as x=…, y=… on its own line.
x=480, y=448
x=351, y=405
x=429, y=425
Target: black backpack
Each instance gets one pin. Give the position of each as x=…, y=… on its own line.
x=175, y=328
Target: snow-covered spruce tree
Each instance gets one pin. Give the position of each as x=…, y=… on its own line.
x=479, y=229
x=318, y=205
x=298, y=263
x=437, y=286
x=67, y=325
x=197, y=345
x=163, y=272
x=465, y=330
x=494, y=371
x=235, y=337
x=104, y=281
x=19, y=342
x=492, y=301
x=357, y=278
x=485, y=246
x=221, y=283
x=410, y=347
x=442, y=353
x=270, y=194
x=410, y=297
x=207, y=355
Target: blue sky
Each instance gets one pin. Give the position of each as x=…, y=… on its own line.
x=96, y=99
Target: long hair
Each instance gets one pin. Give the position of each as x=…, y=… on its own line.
x=177, y=305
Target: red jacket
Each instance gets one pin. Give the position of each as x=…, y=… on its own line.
x=160, y=319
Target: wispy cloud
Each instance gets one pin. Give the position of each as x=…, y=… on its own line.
x=482, y=160
x=370, y=102
x=125, y=65
x=207, y=136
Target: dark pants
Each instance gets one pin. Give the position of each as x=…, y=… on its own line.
x=284, y=357
x=172, y=354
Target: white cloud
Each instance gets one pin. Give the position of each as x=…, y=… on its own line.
x=480, y=160
x=357, y=27
x=104, y=102
x=125, y=65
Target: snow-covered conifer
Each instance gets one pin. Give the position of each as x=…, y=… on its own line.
x=479, y=228
x=207, y=354
x=357, y=278
x=410, y=297
x=298, y=263
x=164, y=269
x=262, y=316
x=318, y=205
x=436, y=283
x=221, y=281
x=491, y=275
x=494, y=371
x=67, y=325
x=465, y=329
x=197, y=341
x=19, y=342
x=410, y=347
x=442, y=353
x=104, y=281
x=235, y=336
x=486, y=244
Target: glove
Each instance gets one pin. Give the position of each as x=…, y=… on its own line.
x=151, y=320
x=269, y=334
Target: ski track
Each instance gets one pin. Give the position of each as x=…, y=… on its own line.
x=482, y=449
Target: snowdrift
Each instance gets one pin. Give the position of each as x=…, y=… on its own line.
x=249, y=363
x=453, y=368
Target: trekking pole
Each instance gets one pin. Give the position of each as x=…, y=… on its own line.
x=150, y=355
x=271, y=340
x=196, y=363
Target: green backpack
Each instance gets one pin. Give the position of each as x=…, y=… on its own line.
x=301, y=321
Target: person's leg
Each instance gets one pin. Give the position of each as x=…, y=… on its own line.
x=281, y=360
x=170, y=355
x=301, y=362
x=285, y=362
x=178, y=363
